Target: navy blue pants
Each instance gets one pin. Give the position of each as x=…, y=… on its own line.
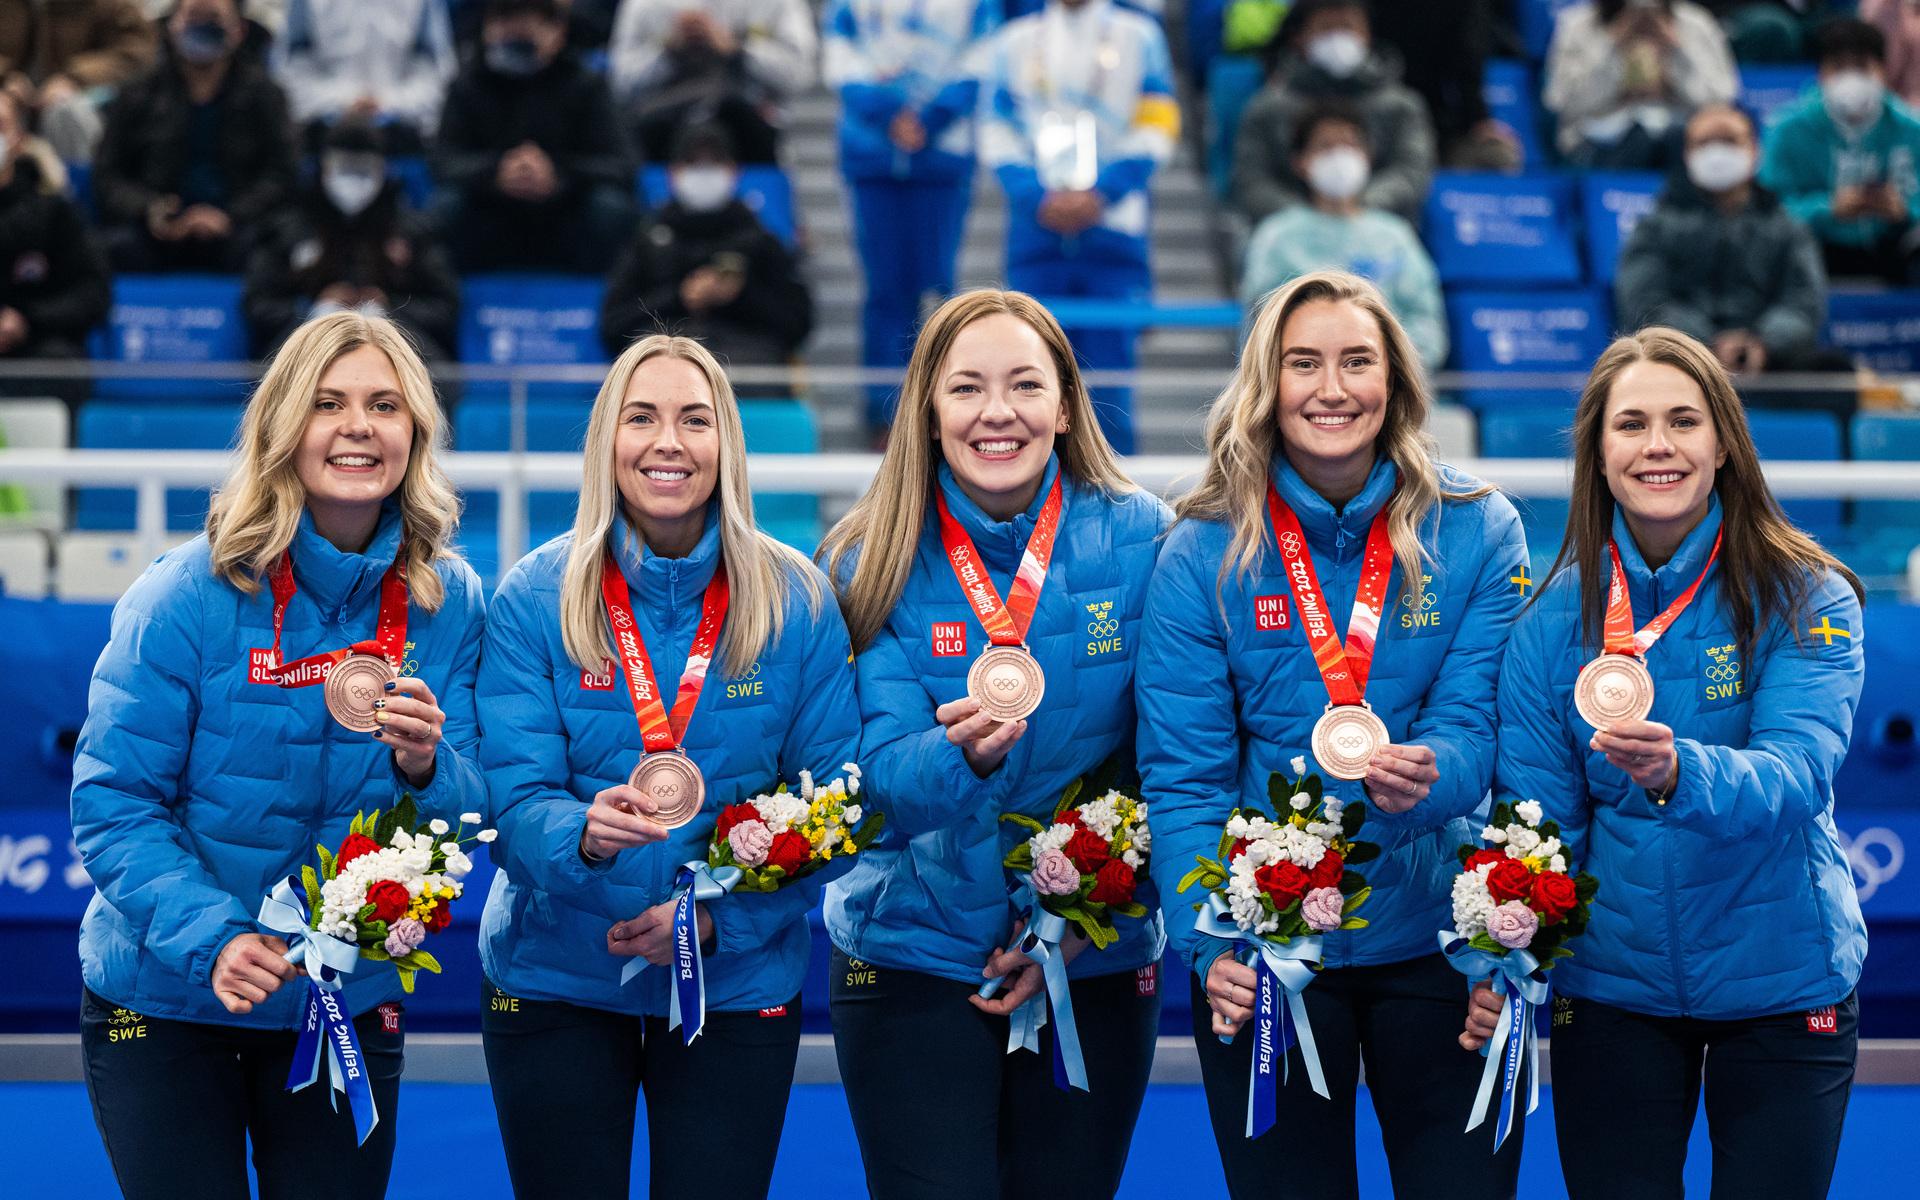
x=1106, y=349
x=1776, y=1090
x=908, y=235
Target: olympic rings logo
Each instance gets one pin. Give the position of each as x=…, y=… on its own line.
x=1869, y=868
x=1726, y=674
x=1105, y=628
x=1290, y=543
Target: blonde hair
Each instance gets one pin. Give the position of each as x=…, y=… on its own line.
x=1243, y=431
x=757, y=566
x=889, y=516
x=256, y=512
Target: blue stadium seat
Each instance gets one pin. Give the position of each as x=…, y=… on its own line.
x=1878, y=329
x=1501, y=230
x=1560, y=331
x=1884, y=532
x=129, y=425
x=1532, y=431
x=1767, y=89
x=1536, y=23
x=80, y=188
x=784, y=427
x=1612, y=203
x=1206, y=21
x=485, y=424
x=172, y=319
x=1511, y=91
x=531, y=320
x=764, y=189
x=1232, y=82
x=416, y=178
x=1802, y=436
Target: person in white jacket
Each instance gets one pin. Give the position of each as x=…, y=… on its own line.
x=386, y=61
x=1624, y=75
x=731, y=62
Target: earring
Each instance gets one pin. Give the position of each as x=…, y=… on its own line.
x=1066, y=427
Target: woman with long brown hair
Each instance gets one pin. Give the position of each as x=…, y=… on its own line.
x=1678, y=697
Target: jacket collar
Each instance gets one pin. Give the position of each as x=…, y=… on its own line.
x=333, y=578
x=659, y=585
x=1322, y=525
x=1680, y=571
x=1001, y=543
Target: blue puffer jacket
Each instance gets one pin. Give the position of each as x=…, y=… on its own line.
x=933, y=896
x=552, y=739
x=198, y=784
x=1225, y=702
x=1733, y=899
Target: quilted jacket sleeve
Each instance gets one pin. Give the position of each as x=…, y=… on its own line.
x=457, y=785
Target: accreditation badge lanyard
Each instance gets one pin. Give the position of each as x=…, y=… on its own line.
x=1006, y=623
x=1620, y=635
x=659, y=730
x=1343, y=667
x=389, y=638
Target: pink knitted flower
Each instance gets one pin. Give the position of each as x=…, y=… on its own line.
x=750, y=841
x=404, y=935
x=1321, y=909
x=1513, y=925
x=1054, y=874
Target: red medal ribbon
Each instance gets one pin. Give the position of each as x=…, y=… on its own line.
x=1344, y=668
x=658, y=730
x=1006, y=624
x=389, y=639
x=1620, y=637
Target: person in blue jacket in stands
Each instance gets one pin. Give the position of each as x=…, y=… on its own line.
x=906, y=71
x=1322, y=426
x=1725, y=939
x=210, y=766
x=995, y=438
x=1078, y=113
x=663, y=543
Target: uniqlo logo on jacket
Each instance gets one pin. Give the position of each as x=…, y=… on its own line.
x=1146, y=980
x=260, y=659
x=1823, y=1020
x=603, y=682
x=949, y=639
x=1269, y=612
x=778, y=1010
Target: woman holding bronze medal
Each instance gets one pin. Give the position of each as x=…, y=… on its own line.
x=992, y=579
x=1321, y=487
x=1678, y=697
x=660, y=662
x=210, y=765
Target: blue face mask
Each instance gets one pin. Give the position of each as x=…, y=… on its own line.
x=515, y=56
x=201, y=42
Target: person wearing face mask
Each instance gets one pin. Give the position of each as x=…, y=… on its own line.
x=349, y=242
x=664, y=549
x=388, y=62
x=1321, y=495
x=1622, y=75
x=1725, y=939
x=1846, y=160
x=197, y=153
x=54, y=285
x=533, y=172
x=1325, y=53
x=704, y=266
x=1721, y=259
x=1337, y=232
x=995, y=456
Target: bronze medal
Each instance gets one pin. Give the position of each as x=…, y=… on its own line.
x=1345, y=737
x=674, y=784
x=1007, y=682
x=1613, y=688
x=352, y=687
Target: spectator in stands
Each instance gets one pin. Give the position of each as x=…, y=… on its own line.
x=1844, y=160
x=54, y=285
x=682, y=62
x=534, y=172
x=704, y=267
x=1444, y=47
x=1080, y=112
x=348, y=242
x=1336, y=231
x=1623, y=75
x=388, y=61
x=907, y=98
x=60, y=58
x=1720, y=258
x=196, y=153
x=1899, y=21
x=1770, y=31
x=1326, y=52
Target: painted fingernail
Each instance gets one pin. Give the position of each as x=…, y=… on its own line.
x=379, y=704
x=378, y=732
x=390, y=685
x=381, y=716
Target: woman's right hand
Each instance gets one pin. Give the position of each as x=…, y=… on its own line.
x=251, y=967
x=983, y=740
x=1232, y=988
x=1484, y=1006
x=618, y=820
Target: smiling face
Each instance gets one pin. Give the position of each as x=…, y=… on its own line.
x=1659, y=451
x=358, y=440
x=666, y=453
x=1334, y=383
x=997, y=408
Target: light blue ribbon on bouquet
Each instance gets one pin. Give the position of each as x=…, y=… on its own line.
x=1517, y=975
x=1280, y=969
x=696, y=883
x=328, y=1025
x=1045, y=932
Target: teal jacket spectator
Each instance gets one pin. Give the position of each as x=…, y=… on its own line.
x=1809, y=155
x=1372, y=243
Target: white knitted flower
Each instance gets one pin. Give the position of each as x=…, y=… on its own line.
x=1521, y=841
x=1472, y=903
x=1528, y=811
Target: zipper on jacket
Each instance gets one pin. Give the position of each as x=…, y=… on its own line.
x=1673, y=925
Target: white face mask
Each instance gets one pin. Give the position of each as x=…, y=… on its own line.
x=351, y=191
x=1719, y=166
x=1852, y=97
x=702, y=189
x=1339, y=53
x=1340, y=173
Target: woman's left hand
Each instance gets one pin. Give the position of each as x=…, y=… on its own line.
x=410, y=721
x=650, y=935
x=1025, y=976
x=1399, y=777
x=1643, y=749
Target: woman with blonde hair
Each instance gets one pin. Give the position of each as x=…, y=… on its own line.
x=1328, y=573
x=997, y=483
x=217, y=751
x=611, y=747
x=1725, y=939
